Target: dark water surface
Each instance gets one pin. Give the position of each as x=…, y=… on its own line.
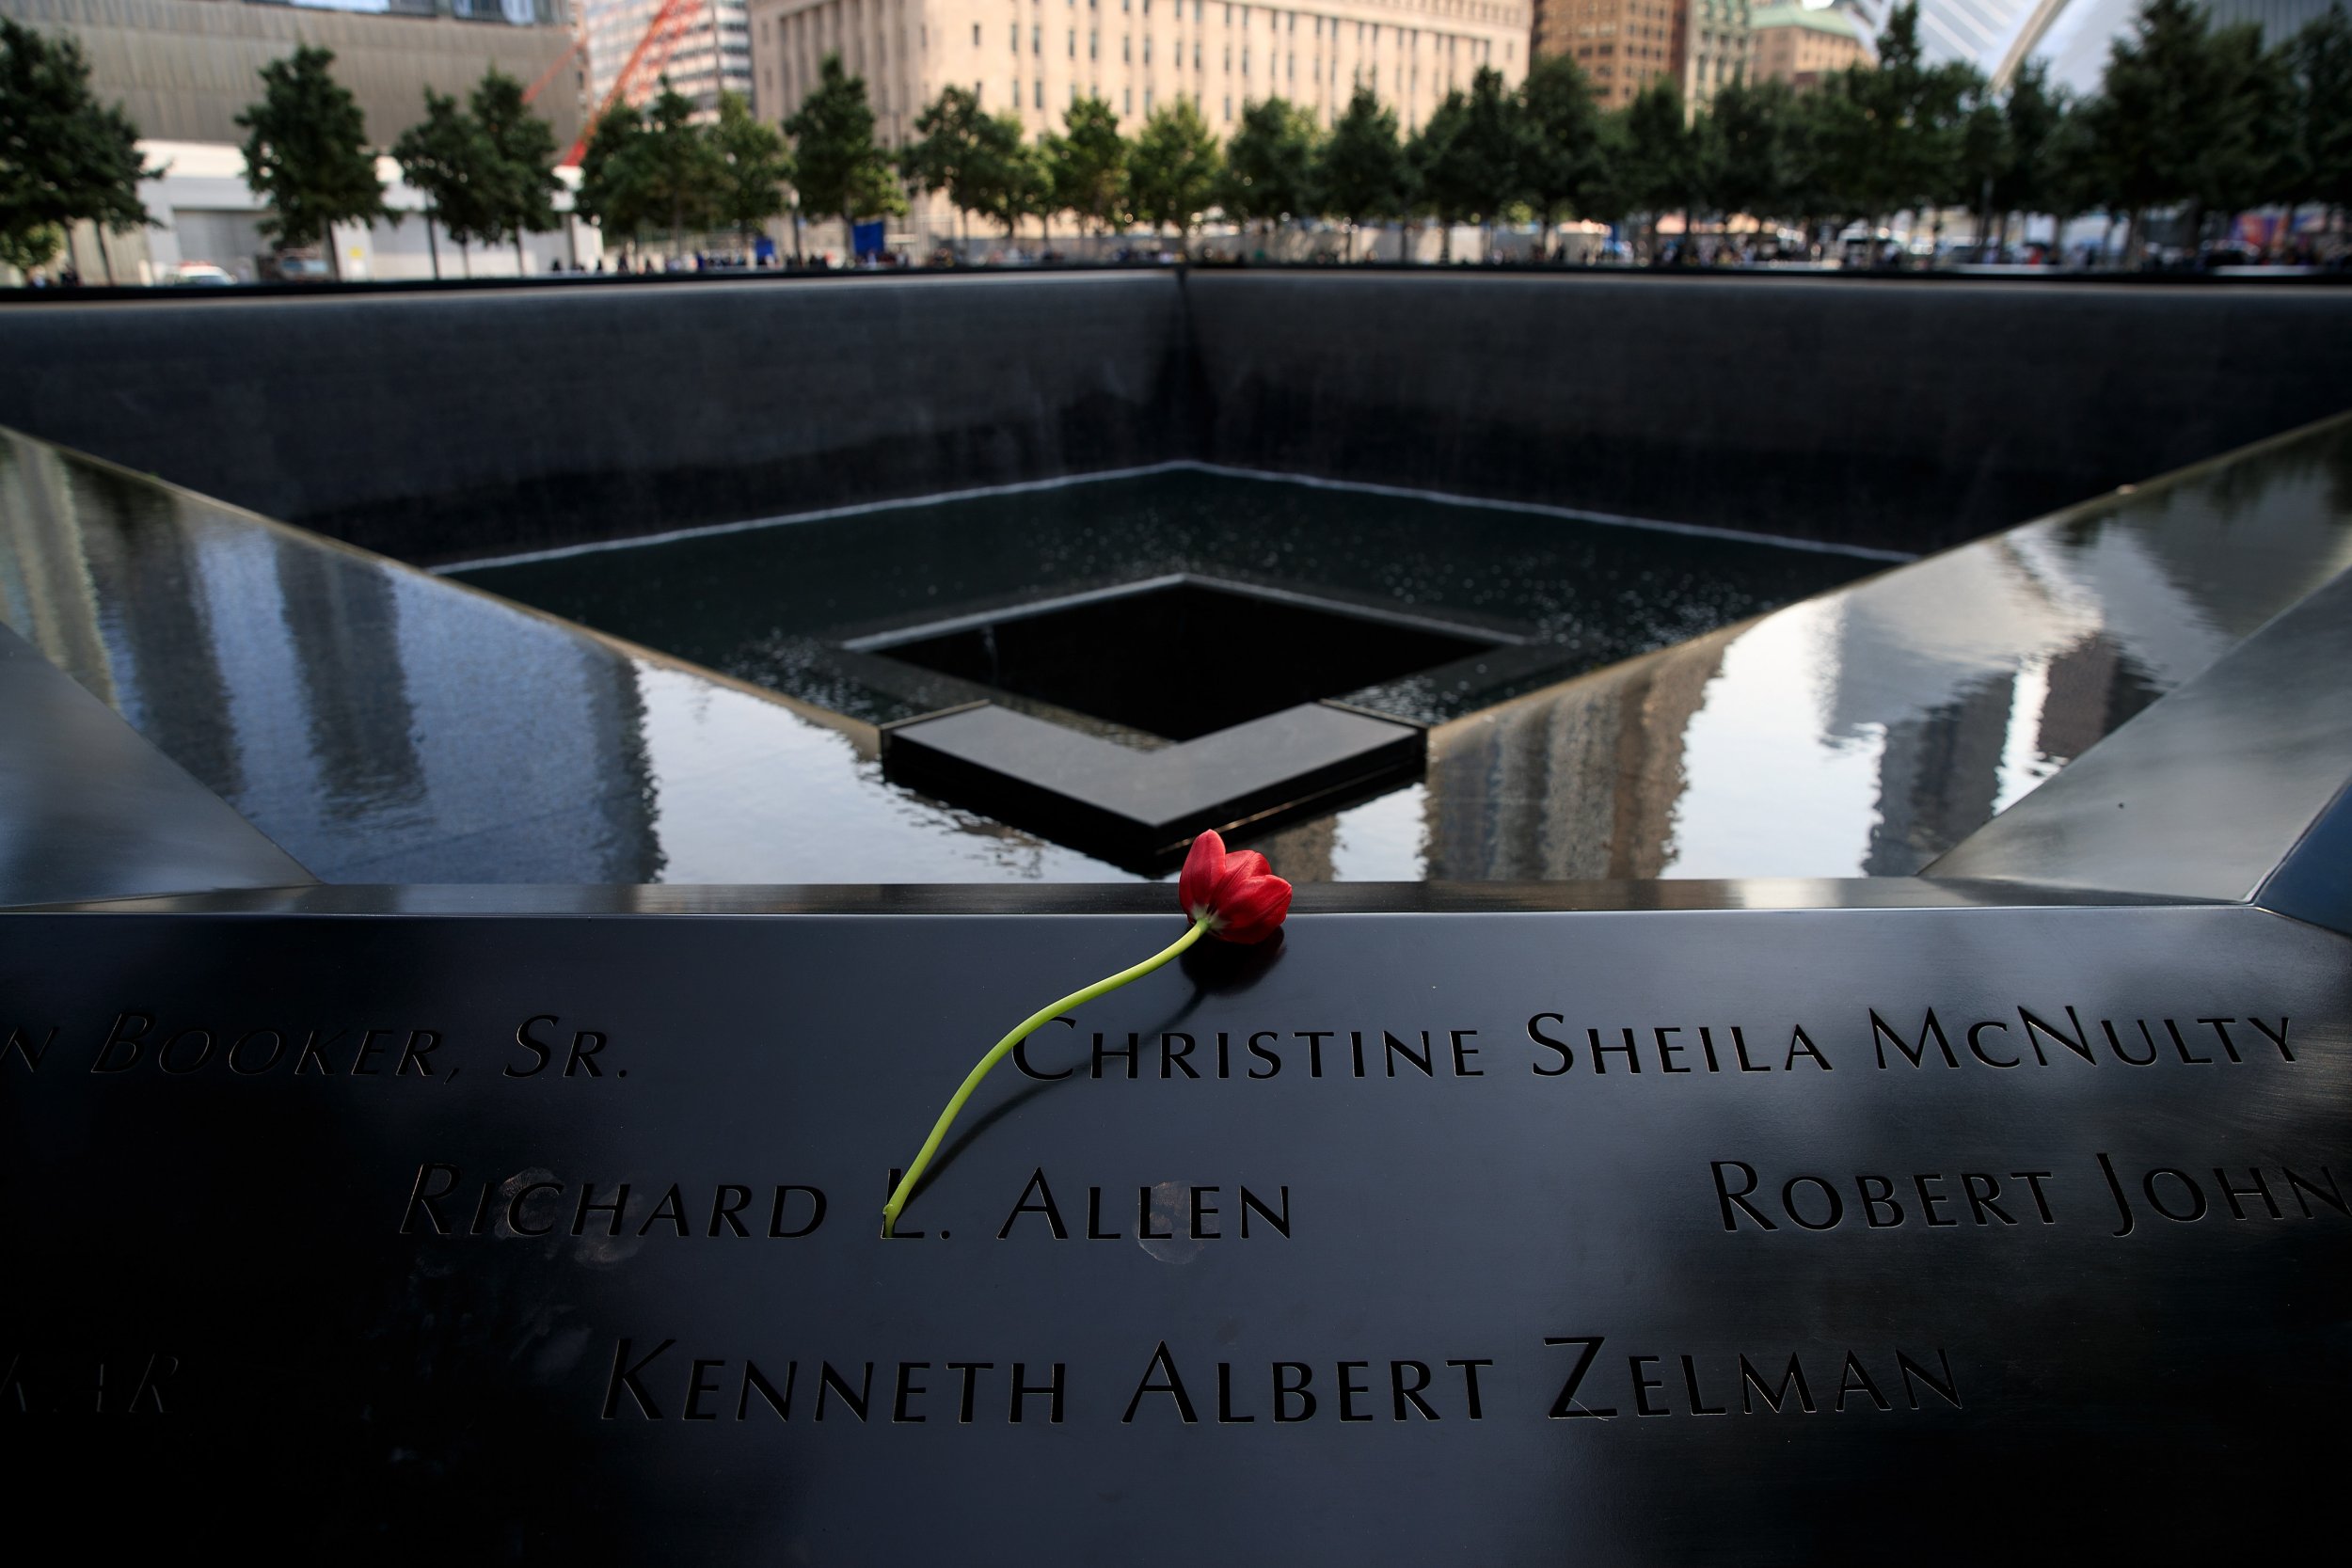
x=767, y=603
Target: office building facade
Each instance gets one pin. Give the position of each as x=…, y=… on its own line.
x=1800, y=46
x=704, y=49
x=1037, y=56
x=1623, y=45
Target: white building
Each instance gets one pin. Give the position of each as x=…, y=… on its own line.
x=1037, y=57
x=704, y=49
x=204, y=212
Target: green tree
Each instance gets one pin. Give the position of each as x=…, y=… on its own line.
x=2156, y=106
x=448, y=160
x=30, y=249
x=612, y=192
x=1914, y=111
x=1269, y=164
x=952, y=152
x=64, y=158
x=1028, y=189
x=520, y=193
x=1662, y=167
x=1007, y=172
x=755, y=167
x=306, y=154
x=2033, y=112
x=2074, y=175
x=679, y=172
x=1751, y=148
x=1982, y=156
x=837, y=166
x=1089, y=166
x=1842, y=135
x=2248, y=158
x=1468, y=156
x=1172, y=172
x=2322, y=110
x=1361, y=173
x=1559, y=158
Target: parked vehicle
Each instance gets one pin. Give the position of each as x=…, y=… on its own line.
x=295, y=267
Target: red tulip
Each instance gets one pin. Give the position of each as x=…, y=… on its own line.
x=1237, y=893
x=1238, y=897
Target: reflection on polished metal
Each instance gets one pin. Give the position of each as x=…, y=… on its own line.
x=1868, y=730
x=382, y=724
x=1140, y=808
x=387, y=726
x=2208, y=793
x=88, y=810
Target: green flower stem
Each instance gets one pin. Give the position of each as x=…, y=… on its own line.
x=1002, y=1048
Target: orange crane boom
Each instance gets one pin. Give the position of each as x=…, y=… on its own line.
x=644, y=63
x=578, y=46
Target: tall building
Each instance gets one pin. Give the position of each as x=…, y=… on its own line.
x=1713, y=47
x=1794, y=44
x=1037, y=57
x=704, y=48
x=183, y=69
x=1624, y=46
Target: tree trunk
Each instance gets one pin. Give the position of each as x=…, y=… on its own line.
x=465, y=257
x=105, y=257
x=432, y=244
x=1445, y=242
x=522, y=268
x=334, y=256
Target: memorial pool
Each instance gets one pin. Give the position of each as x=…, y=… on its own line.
x=382, y=724
x=1560, y=594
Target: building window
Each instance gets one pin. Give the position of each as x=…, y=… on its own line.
x=1040, y=87
x=976, y=37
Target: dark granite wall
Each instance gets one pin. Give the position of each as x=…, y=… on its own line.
x=432, y=426
x=1911, y=415
x=437, y=426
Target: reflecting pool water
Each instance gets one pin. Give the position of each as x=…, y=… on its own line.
x=385, y=725
x=770, y=605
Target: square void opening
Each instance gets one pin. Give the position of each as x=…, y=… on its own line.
x=1182, y=658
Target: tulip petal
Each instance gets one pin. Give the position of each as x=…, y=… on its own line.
x=1195, y=887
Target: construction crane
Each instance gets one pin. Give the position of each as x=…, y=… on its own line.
x=671, y=23
x=578, y=47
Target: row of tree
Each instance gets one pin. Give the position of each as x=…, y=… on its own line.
x=487, y=167
x=2188, y=118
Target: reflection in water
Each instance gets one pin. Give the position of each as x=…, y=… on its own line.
x=1867, y=731
x=386, y=726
